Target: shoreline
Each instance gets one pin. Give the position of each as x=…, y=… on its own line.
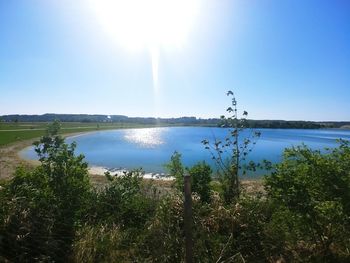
x=100, y=171
x=11, y=158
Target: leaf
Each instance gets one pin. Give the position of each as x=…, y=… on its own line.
x=229, y=93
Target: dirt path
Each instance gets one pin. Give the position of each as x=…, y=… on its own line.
x=9, y=158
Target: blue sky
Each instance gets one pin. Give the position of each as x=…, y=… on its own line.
x=283, y=59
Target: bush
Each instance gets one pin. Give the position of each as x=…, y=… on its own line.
x=201, y=178
x=220, y=233
x=163, y=240
x=313, y=189
x=123, y=203
x=116, y=220
x=176, y=170
x=42, y=208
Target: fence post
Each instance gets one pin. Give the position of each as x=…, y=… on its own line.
x=188, y=220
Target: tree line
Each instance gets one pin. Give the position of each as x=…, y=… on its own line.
x=87, y=118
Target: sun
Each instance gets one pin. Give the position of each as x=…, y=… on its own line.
x=151, y=24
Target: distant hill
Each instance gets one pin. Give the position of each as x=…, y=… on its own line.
x=281, y=124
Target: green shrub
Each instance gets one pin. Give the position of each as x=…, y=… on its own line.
x=220, y=232
x=163, y=240
x=42, y=208
x=176, y=170
x=313, y=188
x=201, y=178
x=122, y=202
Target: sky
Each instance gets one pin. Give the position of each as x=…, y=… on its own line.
x=283, y=59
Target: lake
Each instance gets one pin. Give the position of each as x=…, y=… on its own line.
x=151, y=148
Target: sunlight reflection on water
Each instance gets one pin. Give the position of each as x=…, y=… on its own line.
x=145, y=138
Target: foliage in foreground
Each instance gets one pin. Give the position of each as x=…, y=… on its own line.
x=230, y=153
x=41, y=208
x=312, y=192
x=53, y=214
x=200, y=174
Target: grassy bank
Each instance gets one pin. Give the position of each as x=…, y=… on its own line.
x=16, y=136
x=10, y=133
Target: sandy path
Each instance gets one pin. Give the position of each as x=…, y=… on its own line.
x=9, y=158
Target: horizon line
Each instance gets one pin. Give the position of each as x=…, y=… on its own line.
x=152, y=117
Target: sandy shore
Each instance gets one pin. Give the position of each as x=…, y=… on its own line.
x=96, y=170
x=10, y=158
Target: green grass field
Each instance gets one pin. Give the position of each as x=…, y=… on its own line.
x=10, y=132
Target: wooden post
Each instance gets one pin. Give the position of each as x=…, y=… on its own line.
x=188, y=220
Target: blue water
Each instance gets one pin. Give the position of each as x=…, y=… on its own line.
x=151, y=148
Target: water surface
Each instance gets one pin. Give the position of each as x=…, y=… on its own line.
x=151, y=148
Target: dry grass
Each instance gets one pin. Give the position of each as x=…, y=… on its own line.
x=252, y=187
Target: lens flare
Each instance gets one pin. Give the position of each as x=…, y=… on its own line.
x=151, y=24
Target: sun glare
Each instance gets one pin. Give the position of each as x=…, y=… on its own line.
x=150, y=24
x=147, y=23
x=145, y=138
